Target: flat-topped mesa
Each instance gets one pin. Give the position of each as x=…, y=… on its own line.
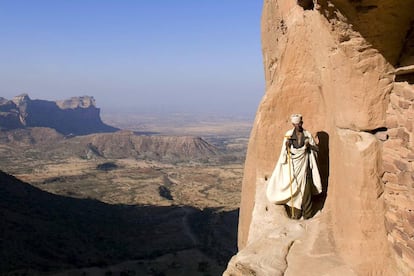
x=77, y=102
x=77, y=115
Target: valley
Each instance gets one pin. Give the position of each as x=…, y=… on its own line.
x=199, y=171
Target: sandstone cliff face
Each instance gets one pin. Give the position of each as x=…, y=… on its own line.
x=78, y=115
x=335, y=62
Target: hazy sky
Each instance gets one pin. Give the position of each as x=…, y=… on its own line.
x=136, y=55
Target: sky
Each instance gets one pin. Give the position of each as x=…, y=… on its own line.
x=135, y=55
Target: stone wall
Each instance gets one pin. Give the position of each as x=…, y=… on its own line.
x=398, y=173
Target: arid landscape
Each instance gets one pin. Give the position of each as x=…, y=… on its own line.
x=159, y=197
x=137, y=186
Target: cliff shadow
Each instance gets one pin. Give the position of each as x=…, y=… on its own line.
x=306, y=4
x=217, y=232
x=44, y=233
x=323, y=165
x=398, y=48
x=407, y=77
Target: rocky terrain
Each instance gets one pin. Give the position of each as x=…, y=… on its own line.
x=194, y=171
x=347, y=67
x=76, y=116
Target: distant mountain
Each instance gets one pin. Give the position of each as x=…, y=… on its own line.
x=164, y=148
x=121, y=144
x=77, y=116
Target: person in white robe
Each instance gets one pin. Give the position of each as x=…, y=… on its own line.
x=296, y=176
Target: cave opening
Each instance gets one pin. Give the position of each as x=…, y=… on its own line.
x=306, y=4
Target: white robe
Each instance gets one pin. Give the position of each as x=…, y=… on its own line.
x=278, y=188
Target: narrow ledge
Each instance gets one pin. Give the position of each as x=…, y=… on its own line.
x=404, y=70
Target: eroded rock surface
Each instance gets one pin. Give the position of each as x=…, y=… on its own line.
x=336, y=64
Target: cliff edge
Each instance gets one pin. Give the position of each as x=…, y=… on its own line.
x=78, y=115
x=347, y=67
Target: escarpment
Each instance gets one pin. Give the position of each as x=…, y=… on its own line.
x=78, y=115
x=347, y=66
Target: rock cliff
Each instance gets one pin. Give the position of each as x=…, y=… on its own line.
x=346, y=65
x=77, y=116
x=9, y=115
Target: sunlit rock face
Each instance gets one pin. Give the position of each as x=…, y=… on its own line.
x=337, y=63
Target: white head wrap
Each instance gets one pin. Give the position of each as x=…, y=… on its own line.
x=296, y=118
